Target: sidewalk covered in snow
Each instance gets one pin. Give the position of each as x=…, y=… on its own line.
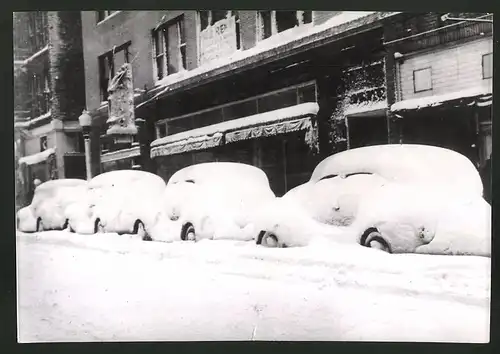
x=270, y=123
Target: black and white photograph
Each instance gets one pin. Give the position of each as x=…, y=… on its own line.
x=253, y=175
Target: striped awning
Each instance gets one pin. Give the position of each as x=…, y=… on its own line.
x=280, y=121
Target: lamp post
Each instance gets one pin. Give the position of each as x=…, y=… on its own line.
x=85, y=122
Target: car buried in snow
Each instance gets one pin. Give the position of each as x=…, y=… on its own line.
x=397, y=198
x=215, y=200
x=47, y=210
x=122, y=201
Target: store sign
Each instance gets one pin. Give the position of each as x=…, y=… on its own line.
x=218, y=40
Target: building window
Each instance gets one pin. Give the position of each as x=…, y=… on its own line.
x=219, y=34
x=43, y=143
x=273, y=22
x=108, y=64
x=169, y=43
x=422, y=80
x=40, y=93
x=37, y=30
x=101, y=15
x=487, y=66
x=162, y=130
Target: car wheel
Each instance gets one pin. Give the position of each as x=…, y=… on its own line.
x=269, y=240
x=99, y=227
x=188, y=233
x=39, y=225
x=140, y=230
x=374, y=239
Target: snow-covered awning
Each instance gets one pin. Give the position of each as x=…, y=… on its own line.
x=480, y=96
x=120, y=154
x=271, y=123
x=37, y=158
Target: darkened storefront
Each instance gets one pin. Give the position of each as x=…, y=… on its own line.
x=458, y=124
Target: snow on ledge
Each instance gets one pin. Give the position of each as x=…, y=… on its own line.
x=36, y=55
x=296, y=111
x=355, y=110
x=436, y=100
x=37, y=158
x=33, y=121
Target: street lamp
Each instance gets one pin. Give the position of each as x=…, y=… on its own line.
x=85, y=122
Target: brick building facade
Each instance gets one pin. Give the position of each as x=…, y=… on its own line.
x=49, y=97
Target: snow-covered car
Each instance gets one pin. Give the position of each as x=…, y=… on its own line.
x=398, y=198
x=47, y=210
x=216, y=200
x=123, y=201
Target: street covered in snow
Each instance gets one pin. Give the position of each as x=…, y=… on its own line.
x=106, y=287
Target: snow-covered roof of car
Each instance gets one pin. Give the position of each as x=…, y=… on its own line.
x=123, y=176
x=220, y=172
x=405, y=163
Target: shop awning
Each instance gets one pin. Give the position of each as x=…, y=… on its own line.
x=479, y=96
x=120, y=154
x=271, y=123
x=37, y=158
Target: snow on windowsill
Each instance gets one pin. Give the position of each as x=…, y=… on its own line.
x=365, y=107
x=201, y=134
x=33, y=121
x=436, y=100
x=37, y=158
x=270, y=43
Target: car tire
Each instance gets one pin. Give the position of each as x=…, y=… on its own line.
x=140, y=230
x=374, y=239
x=188, y=233
x=270, y=240
x=99, y=227
x=39, y=225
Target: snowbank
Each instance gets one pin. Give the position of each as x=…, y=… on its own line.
x=106, y=288
x=37, y=158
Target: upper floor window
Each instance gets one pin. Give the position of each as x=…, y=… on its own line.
x=422, y=80
x=39, y=86
x=43, y=143
x=108, y=64
x=273, y=22
x=169, y=43
x=219, y=34
x=37, y=30
x=487, y=66
x=101, y=15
